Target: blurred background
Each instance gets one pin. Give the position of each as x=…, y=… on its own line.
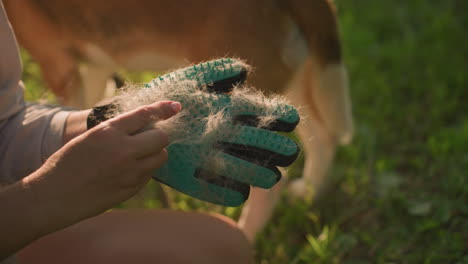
x=399, y=192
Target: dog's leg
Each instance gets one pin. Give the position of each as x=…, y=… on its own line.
x=96, y=85
x=60, y=73
x=319, y=150
x=321, y=94
x=323, y=97
x=258, y=209
x=45, y=42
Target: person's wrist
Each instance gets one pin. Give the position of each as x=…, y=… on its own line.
x=76, y=125
x=36, y=190
x=36, y=210
x=99, y=114
x=51, y=203
x=20, y=221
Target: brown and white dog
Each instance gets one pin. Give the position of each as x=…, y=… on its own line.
x=293, y=45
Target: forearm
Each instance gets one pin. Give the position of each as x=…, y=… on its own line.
x=33, y=135
x=23, y=218
x=35, y=206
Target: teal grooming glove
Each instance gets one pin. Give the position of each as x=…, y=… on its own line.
x=229, y=143
x=223, y=140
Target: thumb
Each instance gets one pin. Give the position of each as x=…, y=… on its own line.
x=137, y=119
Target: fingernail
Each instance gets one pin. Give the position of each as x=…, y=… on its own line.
x=176, y=106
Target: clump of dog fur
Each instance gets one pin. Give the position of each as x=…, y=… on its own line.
x=199, y=122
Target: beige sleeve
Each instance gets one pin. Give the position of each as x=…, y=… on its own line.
x=29, y=133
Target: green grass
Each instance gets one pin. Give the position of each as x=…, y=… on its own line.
x=399, y=192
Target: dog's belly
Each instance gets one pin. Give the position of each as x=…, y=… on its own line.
x=275, y=59
x=144, y=60
x=152, y=61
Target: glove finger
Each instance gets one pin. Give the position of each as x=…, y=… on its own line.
x=180, y=174
x=265, y=114
x=239, y=170
x=279, y=125
x=212, y=188
x=219, y=189
x=255, y=144
x=218, y=76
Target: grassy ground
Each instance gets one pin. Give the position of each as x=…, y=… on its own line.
x=399, y=193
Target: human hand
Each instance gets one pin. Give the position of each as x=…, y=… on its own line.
x=102, y=167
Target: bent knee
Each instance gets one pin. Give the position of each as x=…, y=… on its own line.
x=226, y=243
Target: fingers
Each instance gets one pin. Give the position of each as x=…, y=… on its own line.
x=227, y=84
x=280, y=116
x=217, y=75
x=153, y=161
x=262, y=139
x=246, y=172
x=279, y=124
x=149, y=141
x=133, y=121
x=218, y=189
x=143, y=169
